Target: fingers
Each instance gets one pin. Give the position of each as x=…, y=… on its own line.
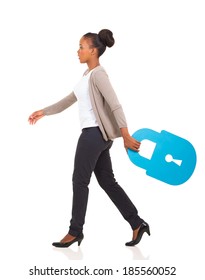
x=132, y=144
x=34, y=117
x=135, y=145
x=134, y=149
x=32, y=120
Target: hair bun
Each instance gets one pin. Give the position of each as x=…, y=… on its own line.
x=106, y=37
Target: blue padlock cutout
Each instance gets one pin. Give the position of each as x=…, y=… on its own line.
x=166, y=144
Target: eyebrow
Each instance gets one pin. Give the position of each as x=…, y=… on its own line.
x=81, y=45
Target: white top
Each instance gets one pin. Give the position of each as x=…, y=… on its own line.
x=86, y=114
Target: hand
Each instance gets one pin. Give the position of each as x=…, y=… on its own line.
x=35, y=116
x=131, y=143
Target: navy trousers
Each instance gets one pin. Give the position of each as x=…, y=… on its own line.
x=92, y=155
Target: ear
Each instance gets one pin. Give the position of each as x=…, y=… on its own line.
x=94, y=51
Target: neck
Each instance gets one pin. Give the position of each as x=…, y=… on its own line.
x=92, y=65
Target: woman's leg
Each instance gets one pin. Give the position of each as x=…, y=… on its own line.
x=90, y=146
x=104, y=174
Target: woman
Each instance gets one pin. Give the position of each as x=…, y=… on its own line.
x=102, y=120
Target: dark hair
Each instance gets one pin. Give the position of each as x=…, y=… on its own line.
x=101, y=40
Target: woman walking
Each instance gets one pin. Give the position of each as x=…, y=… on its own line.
x=102, y=120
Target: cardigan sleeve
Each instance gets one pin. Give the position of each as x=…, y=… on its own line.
x=60, y=105
x=105, y=87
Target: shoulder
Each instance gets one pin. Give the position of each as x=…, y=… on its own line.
x=99, y=70
x=98, y=73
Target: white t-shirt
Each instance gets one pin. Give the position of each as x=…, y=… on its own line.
x=86, y=114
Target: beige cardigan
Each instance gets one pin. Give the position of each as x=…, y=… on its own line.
x=107, y=109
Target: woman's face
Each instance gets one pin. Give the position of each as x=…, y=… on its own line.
x=85, y=52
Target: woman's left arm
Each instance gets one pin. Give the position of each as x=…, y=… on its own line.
x=106, y=89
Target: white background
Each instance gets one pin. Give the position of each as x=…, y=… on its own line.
x=157, y=69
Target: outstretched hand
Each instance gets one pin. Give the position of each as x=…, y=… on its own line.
x=35, y=116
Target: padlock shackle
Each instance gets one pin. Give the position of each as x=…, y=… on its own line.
x=146, y=134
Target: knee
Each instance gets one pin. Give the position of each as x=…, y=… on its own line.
x=79, y=180
x=106, y=182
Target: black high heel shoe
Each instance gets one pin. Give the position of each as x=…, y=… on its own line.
x=78, y=239
x=144, y=227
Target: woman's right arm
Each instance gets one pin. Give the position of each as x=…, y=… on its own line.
x=53, y=109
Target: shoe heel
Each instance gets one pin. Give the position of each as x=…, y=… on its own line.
x=79, y=242
x=148, y=231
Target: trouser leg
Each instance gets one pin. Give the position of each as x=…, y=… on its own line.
x=104, y=174
x=90, y=146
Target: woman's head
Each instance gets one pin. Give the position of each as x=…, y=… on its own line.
x=101, y=40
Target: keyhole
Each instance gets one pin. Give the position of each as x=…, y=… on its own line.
x=169, y=158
